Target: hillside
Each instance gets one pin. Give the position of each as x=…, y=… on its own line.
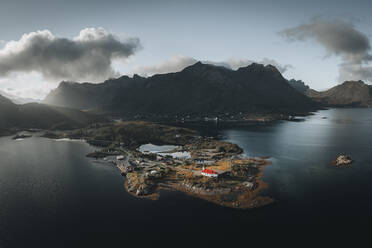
x=299, y=85
x=348, y=94
x=129, y=133
x=41, y=116
x=200, y=89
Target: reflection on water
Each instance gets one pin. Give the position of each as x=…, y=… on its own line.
x=302, y=153
x=50, y=189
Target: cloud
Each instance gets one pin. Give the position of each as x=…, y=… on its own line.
x=178, y=63
x=341, y=39
x=27, y=85
x=174, y=64
x=87, y=57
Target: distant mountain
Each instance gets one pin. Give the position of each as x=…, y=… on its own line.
x=16, y=99
x=348, y=94
x=35, y=115
x=5, y=101
x=299, y=85
x=198, y=89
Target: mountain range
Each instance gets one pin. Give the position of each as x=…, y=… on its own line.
x=198, y=89
x=348, y=94
x=17, y=99
x=40, y=116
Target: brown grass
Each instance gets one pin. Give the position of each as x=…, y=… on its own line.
x=221, y=165
x=185, y=172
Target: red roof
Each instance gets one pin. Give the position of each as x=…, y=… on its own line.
x=208, y=171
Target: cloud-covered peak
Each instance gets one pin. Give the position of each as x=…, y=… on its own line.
x=173, y=64
x=237, y=63
x=88, y=56
x=178, y=63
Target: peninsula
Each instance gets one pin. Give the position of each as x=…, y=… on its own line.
x=155, y=157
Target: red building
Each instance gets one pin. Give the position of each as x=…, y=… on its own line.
x=209, y=173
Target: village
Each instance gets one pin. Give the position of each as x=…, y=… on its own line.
x=206, y=168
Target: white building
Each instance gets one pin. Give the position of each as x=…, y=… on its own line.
x=120, y=157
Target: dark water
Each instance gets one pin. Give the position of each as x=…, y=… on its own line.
x=51, y=195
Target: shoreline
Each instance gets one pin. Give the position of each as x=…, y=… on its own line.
x=248, y=119
x=231, y=190
x=227, y=119
x=248, y=199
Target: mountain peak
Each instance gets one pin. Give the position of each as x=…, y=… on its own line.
x=260, y=67
x=195, y=66
x=347, y=94
x=199, y=68
x=269, y=71
x=199, y=65
x=359, y=82
x=299, y=85
x=136, y=76
x=66, y=83
x=254, y=67
x=272, y=67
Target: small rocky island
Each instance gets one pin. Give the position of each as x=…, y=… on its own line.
x=21, y=136
x=210, y=169
x=342, y=161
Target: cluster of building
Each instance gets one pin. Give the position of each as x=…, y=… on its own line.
x=155, y=160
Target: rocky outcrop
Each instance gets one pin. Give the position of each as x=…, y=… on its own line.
x=137, y=185
x=203, y=189
x=21, y=136
x=51, y=135
x=212, y=149
x=342, y=160
x=299, y=85
x=130, y=134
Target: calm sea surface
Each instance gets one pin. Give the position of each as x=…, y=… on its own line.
x=51, y=195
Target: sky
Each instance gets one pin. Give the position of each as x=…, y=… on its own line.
x=43, y=42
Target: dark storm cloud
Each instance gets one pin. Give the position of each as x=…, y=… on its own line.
x=339, y=38
x=88, y=56
x=178, y=63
